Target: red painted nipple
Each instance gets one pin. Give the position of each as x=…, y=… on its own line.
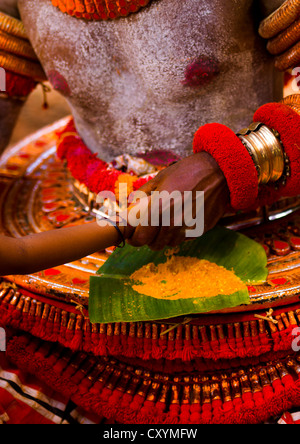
x=200, y=72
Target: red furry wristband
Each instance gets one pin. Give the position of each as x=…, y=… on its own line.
x=287, y=123
x=233, y=159
x=18, y=86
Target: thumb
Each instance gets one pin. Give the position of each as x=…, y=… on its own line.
x=148, y=186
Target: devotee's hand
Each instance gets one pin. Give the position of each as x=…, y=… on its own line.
x=198, y=172
x=282, y=29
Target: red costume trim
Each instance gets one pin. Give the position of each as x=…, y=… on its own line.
x=204, y=344
x=99, y=9
x=233, y=159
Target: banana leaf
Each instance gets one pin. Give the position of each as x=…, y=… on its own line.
x=113, y=299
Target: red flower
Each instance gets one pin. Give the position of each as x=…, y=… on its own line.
x=85, y=166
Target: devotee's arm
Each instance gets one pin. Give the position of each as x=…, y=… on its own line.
x=57, y=247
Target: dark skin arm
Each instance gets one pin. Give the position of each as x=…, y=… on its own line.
x=198, y=172
x=57, y=247
x=53, y=248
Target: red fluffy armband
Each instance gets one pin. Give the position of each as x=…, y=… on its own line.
x=286, y=122
x=233, y=159
x=21, y=70
x=18, y=86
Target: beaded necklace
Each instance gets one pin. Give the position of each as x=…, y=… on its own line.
x=99, y=9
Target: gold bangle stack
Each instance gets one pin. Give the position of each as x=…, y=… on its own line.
x=12, y=26
x=21, y=66
x=281, y=19
x=265, y=148
x=16, y=52
x=16, y=46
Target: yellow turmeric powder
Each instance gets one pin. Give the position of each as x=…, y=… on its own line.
x=184, y=278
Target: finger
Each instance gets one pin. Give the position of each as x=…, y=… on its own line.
x=149, y=186
x=163, y=238
x=168, y=238
x=143, y=236
x=144, y=232
x=144, y=191
x=289, y=59
x=179, y=239
x=281, y=19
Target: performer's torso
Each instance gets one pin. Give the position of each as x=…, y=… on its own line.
x=151, y=79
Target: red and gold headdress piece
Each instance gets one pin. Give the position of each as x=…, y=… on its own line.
x=99, y=9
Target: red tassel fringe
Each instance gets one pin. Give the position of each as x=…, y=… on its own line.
x=205, y=347
x=97, y=388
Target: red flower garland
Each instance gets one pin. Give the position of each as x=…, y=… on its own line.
x=88, y=169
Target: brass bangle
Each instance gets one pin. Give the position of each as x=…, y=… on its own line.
x=285, y=39
x=17, y=46
x=281, y=19
x=289, y=59
x=16, y=52
x=12, y=26
x=23, y=67
x=266, y=151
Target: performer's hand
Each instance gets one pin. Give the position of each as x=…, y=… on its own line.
x=198, y=172
x=282, y=29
